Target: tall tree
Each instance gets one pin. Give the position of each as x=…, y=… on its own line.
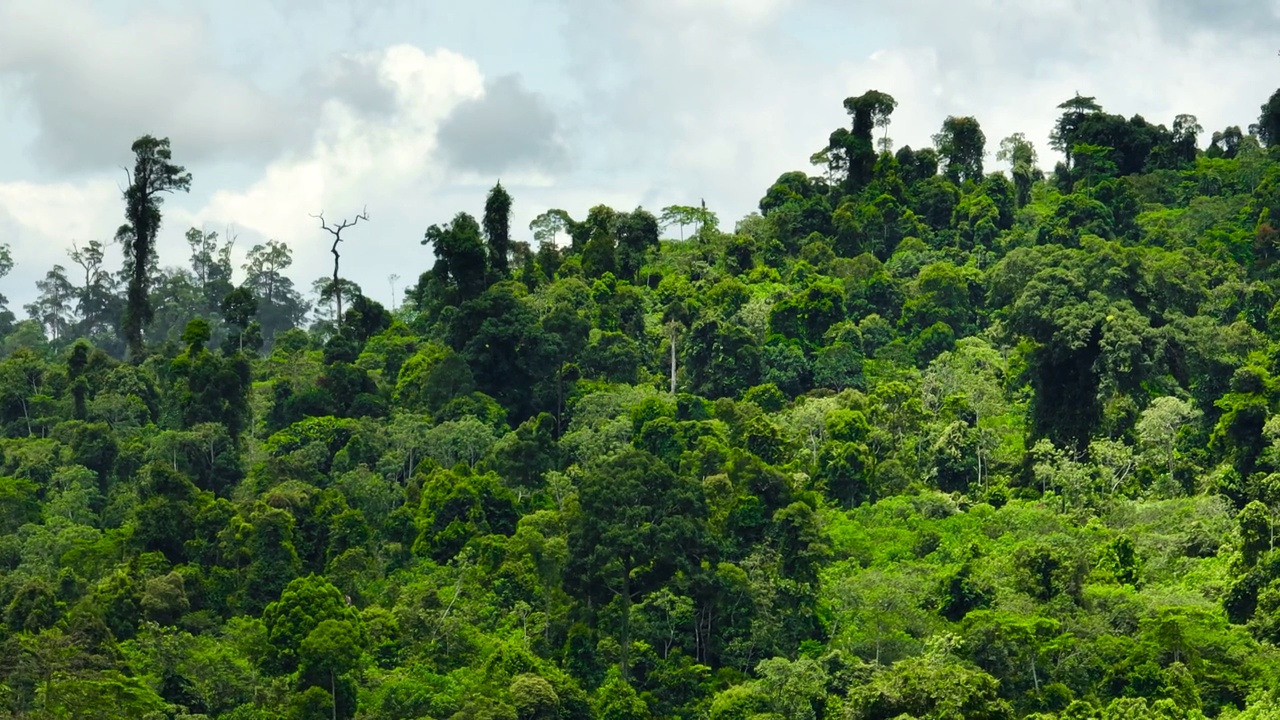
x=392, y=279
x=1018, y=151
x=549, y=224
x=6, y=265
x=637, y=235
x=639, y=524
x=97, y=296
x=53, y=308
x=1268, y=127
x=460, y=256
x=153, y=174
x=854, y=150
x=1226, y=143
x=497, y=230
x=1186, y=134
x=336, y=232
x=1065, y=133
x=678, y=215
x=962, y=146
x=281, y=306
x=239, y=308
x=210, y=267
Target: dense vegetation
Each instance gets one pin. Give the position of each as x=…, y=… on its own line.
x=918, y=440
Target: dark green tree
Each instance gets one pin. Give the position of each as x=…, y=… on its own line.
x=637, y=236
x=280, y=305
x=1021, y=156
x=153, y=174
x=460, y=257
x=497, y=231
x=1268, y=125
x=1065, y=133
x=639, y=523
x=239, y=310
x=853, y=152
x=962, y=145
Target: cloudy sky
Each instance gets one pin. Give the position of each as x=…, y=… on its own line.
x=413, y=108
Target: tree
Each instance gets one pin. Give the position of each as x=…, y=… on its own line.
x=639, y=523
x=392, y=279
x=497, y=230
x=326, y=294
x=1184, y=141
x=209, y=388
x=96, y=298
x=549, y=224
x=329, y=651
x=336, y=232
x=962, y=146
x=682, y=215
x=1021, y=156
x=1226, y=143
x=1065, y=133
x=972, y=374
x=600, y=255
x=793, y=688
x=1268, y=126
x=617, y=700
x=211, y=266
x=52, y=308
x=306, y=604
x=637, y=235
x=239, y=308
x=153, y=174
x=6, y=265
x=460, y=257
x=1161, y=422
x=933, y=685
x=280, y=305
x=853, y=152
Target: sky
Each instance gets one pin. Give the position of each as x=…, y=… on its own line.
x=413, y=109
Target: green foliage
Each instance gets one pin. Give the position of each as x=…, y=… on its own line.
x=916, y=440
x=293, y=625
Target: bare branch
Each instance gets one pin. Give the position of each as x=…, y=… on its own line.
x=336, y=230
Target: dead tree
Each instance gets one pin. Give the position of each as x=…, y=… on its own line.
x=336, y=232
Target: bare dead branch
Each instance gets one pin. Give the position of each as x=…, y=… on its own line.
x=336, y=232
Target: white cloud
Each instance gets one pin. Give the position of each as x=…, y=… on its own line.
x=385, y=161
x=714, y=99
x=62, y=209
x=41, y=221
x=678, y=100
x=94, y=85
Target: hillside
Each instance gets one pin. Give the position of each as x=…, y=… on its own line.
x=919, y=439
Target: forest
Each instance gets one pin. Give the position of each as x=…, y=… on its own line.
x=922, y=438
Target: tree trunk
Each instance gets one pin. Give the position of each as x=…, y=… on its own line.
x=337, y=291
x=673, y=359
x=979, y=461
x=626, y=621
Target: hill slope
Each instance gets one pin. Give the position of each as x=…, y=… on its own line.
x=917, y=440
